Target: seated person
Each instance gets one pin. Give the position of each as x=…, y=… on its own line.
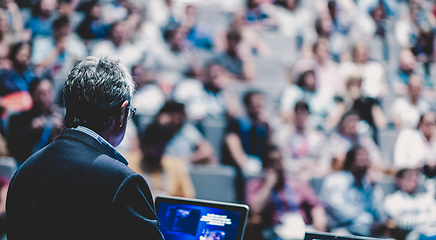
x=174, y=60
x=210, y=98
x=43, y=16
x=118, y=47
x=148, y=98
x=416, y=148
x=348, y=136
x=237, y=60
x=14, y=83
x=405, y=111
x=305, y=150
x=352, y=202
x=414, y=214
x=246, y=138
x=91, y=26
x=169, y=146
x=55, y=54
x=278, y=198
x=368, y=108
x=34, y=129
x=406, y=68
x=322, y=106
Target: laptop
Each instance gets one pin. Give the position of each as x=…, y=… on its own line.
x=189, y=219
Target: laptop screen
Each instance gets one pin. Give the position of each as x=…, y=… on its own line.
x=186, y=219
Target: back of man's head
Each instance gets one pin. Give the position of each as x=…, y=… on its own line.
x=94, y=91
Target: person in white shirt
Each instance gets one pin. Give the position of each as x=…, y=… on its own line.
x=413, y=213
x=417, y=147
x=405, y=111
x=117, y=47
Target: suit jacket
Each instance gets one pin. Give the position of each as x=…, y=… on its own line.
x=72, y=189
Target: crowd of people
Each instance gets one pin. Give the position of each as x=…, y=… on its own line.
x=352, y=69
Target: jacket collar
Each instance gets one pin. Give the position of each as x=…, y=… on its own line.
x=92, y=140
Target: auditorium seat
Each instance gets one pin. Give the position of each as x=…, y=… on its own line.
x=214, y=182
x=387, y=138
x=213, y=130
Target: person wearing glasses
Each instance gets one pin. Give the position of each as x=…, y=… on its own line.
x=79, y=186
x=416, y=148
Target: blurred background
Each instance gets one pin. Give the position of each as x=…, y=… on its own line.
x=249, y=101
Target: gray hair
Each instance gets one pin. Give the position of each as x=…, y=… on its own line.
x=94, y=91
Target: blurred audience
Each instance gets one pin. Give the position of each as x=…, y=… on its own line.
x=416, y=148
x=374, y=83
x=148, y=98
x=14, y=83
x=118, y=48
x=329, y=79
x=350, y=134
x=43, y=17
x=247, y=137
x=91, y=26
x=284, y=204
x=55, y=54
x=34, y=129
x=237, y=58
x=211, y=98
x=175, y=60
x=322, y=106
x=352, y=202
x=369, y=109
x=177, y=138
x=306, y=151
x=406, y=69
x=412, y=213
x=405, y=111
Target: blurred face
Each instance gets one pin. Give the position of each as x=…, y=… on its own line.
x=409, y=182
x=322, y=51
x=255, y=106
x=378, y=13
x=177, y=120
x=191, y=12
x=361, y=54
x=415, y=87
x=47, y=6
x=95, y=12
x=117, y=35
x=142, y=76
x=349, y=125
x=275, y=161
x=361, y=163
x=310, y=82
x=292, y=4
x=4, y=28
x=178, y=39
x=43, y=96
x=355, y=88
x=428, y=125
x=326, y=24
x=232, y=45
x=23, y=55
x=218, y=77
x=407, y=60
x=301, y=118
x=62, y=32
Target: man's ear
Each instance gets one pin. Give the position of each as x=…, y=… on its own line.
x=123, y=114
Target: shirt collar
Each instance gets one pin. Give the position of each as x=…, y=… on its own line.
x=109, y=148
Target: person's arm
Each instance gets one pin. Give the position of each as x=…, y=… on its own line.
x=53, y=55
x=260, y=197
x=132, y=210
x=235, y=148
x=204, y=153
x=379, y=117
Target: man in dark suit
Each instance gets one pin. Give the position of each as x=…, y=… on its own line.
x=79, y=187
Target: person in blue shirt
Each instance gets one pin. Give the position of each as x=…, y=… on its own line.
x=352, y=200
